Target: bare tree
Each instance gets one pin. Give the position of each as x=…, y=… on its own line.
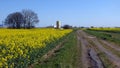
x=24, y=19
x=30, y=18
x=14, y=20
x=18, y=19
x=9, y=21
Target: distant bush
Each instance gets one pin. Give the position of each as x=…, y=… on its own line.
x=67, y=27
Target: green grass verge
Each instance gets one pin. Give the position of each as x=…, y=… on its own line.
x=66, y=57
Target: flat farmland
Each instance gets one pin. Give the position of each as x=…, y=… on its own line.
x=60, y=48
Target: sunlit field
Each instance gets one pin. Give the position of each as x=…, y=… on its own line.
x=21, y=47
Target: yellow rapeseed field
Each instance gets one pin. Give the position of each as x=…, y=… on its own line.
x=20, y=47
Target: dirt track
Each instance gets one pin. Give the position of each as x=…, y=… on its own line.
x=89, y=55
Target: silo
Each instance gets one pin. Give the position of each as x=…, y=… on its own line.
x=57, y=24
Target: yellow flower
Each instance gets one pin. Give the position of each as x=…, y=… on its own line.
x=22, y=43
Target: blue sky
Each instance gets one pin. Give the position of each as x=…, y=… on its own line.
x=73, y=12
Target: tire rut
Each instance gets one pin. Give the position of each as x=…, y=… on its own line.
x=89, y=56
x=112, y=57
x=111, y=45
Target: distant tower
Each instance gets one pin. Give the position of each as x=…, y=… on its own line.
x=57, y=24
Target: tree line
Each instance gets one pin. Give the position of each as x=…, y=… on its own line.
x=24, y=19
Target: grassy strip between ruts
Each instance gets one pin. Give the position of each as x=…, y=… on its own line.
x=110, y=49
x=104, y=36
x=65, y=57
x=107, y=63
